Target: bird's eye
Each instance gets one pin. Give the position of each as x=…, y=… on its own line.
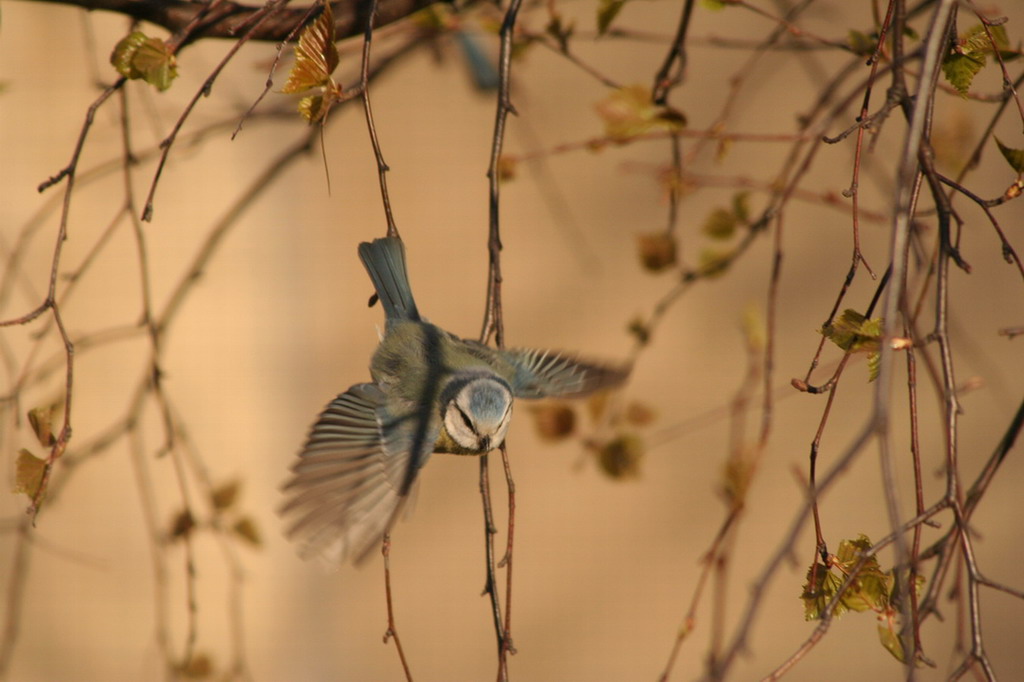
x=466, y=420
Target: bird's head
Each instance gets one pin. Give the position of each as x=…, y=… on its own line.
x=477, y=416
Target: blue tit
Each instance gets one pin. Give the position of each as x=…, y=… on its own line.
x=431, y=392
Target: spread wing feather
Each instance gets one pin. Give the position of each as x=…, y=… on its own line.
x=350, y=480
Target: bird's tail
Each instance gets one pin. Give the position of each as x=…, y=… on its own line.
x=385, y=261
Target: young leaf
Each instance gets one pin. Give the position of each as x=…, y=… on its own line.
x=755, y=331
x=821, y=586
x=851, y=331
x=607, y=10
x=28, y=473
x=720, y=224
x=967, y=58
x=629, y=111
x=860, y=43
x=741, y=207
x=316, y=55
x=714, y=262
x=960, y=70
x=874, y=366
x=137, y=56
x=1014, y=157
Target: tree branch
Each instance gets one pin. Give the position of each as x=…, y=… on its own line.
x=226, y=19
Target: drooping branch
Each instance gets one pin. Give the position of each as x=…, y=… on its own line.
x=227, y=19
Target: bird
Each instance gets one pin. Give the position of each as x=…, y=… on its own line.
x=431, y=391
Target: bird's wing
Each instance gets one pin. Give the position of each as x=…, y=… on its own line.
x=353, y=474
x=547, y=374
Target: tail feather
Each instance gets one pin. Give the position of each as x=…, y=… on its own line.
x=385, y=261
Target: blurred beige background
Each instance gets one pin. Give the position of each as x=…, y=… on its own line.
x=278, y=325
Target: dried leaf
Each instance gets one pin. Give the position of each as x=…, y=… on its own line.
x=561, y=32
x=597, y=405
x=657, y=250
x=316, y=55
x=554, y=421
x=224, y=496
x=736, y=481
x=182, y=525
x=199, y=666
x=639, y=414
x=246, y=529
x=41, y=420
x=508, y=167
x=620, y=457
x=639, y=330
x=28, y=473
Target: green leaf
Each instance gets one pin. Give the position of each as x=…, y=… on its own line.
x=851, y=331
x=28, y=473
x=139, y=57
x=607, y=10
x=720, y=224
x=1014, y=157
x=316, y=55
x=714, y=5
